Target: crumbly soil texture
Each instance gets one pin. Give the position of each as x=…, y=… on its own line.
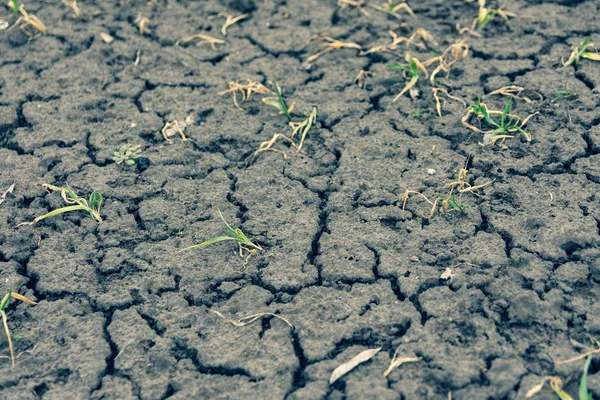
x=123, y=314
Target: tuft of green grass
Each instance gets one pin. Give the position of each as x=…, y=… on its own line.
x=278, y=102
x=581, y=51
x=237, y=235
x=127, y=154
x=3, y=304
x=92, y=205
x=502, y=128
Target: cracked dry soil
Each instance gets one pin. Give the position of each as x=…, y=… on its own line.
x=121, y=315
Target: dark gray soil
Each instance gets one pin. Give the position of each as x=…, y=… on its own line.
x=122, y=315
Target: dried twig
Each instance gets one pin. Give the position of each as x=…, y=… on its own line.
x=438, y=104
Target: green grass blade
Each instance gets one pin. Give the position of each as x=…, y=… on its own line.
x=284, y=108
x=71, y=193
x=95, y=201
x=583, y=389
x=210, y=241
x=14, y=6
x=5, y=300
x=229, y=228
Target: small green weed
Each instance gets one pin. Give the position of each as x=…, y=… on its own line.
x=581, y=51
x=92, y=206
x=127, y=154
x=500, y=130
x=278, y=101
x=236, y=235
x=486, y=15
x=3, y=305
x=411, y=71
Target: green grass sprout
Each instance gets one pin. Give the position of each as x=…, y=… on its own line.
x=127, y=154
x=486, y=15
x=581, y=51
x=392, y=9
x=278, y=102
x=14, y=6
x=410, y=72
x=92, y=206
x=3, y=305
x=304, y=126
x=499, y=130
x=236, y=235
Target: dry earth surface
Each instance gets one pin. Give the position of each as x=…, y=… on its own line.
x=122, y=315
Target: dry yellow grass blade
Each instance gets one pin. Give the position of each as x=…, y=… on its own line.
x=250, y=319
x=246, y=90
x=357, y=5
x=398, y=361
x=268, y=144
x=29, y=20
x=515, y=91
x=424, y=35
x=438, y=104
x=10, y=189
x=3, y=305
x=396, y=40
x=229, y=20
x=204, y=39
x=172, y=128
x=361, y=78
x=331, y=44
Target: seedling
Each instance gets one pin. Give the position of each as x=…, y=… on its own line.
x=505, y=128
x=245, y=90
x=92, y=206
x=278, y=101
x=453, y=200
x=204, y=39
x=486, y=15
x=304, y=126
x=581, y=51
x=28, y=20
x=392, y=9
x=439, y=101
x=297, y=127
x=3, y=305
x=229, y=20
x=237, y=235
x=330, y=45
x=411, y=71
x=357, y=5
x=127, y=154
x=563, y=94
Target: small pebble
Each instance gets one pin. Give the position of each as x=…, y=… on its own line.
x=431, y=171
